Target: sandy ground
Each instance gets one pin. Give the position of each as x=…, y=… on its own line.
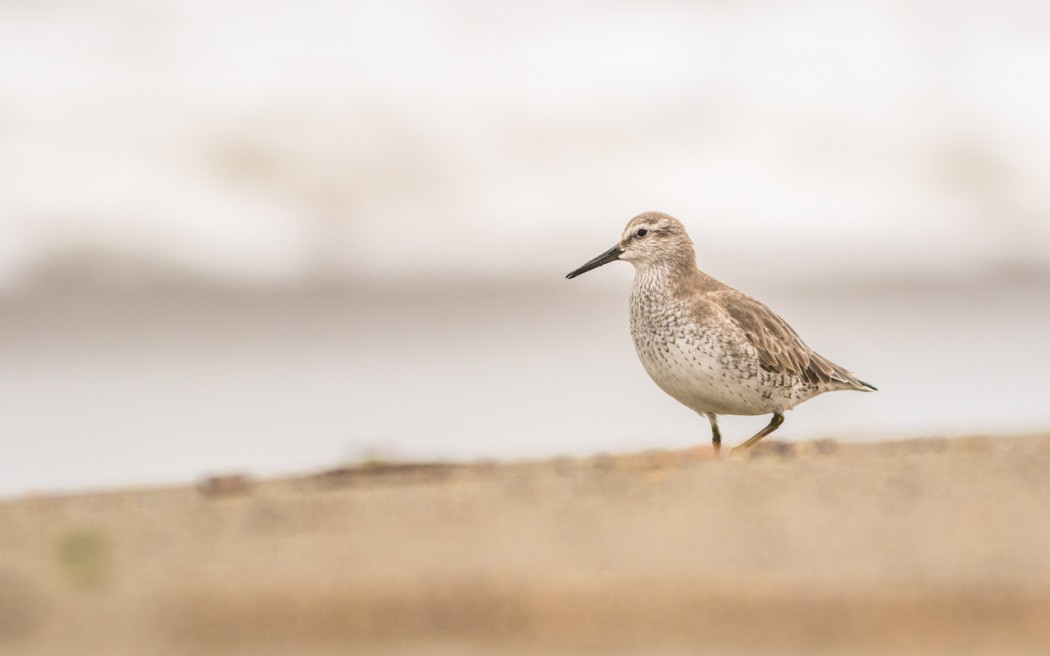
x=925, y=546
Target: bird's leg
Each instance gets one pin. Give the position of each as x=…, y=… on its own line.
x=716, y=435
x=774, y=424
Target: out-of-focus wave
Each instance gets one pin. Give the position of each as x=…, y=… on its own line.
x=402, y=139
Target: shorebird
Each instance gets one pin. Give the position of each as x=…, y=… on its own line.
x=712, y=348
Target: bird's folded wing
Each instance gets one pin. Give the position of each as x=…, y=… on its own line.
x=780, y=349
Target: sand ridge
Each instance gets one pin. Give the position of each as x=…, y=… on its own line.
x=920, y=546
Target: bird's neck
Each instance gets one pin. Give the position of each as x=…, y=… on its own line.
x=673, y=279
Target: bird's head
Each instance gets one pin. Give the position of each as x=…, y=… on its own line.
x=650, y=239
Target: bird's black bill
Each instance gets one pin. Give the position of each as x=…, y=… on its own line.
x=613, y=253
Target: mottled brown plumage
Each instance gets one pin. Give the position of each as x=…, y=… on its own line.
x=780, y=349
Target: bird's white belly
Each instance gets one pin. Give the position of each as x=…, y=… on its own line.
x=695, y=370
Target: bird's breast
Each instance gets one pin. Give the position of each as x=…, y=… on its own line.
x=694, y=363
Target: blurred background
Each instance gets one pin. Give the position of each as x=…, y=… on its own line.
x=274, y=237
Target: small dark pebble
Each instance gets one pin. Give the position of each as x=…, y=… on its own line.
x=604, y=462
x=225, y=485
x=773, y=448
x=826, y=447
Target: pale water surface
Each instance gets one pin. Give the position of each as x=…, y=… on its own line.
x=102, y=389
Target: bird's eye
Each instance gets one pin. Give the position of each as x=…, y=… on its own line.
x=641, y=232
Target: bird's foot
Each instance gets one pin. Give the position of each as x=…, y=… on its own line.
x=740, y=452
